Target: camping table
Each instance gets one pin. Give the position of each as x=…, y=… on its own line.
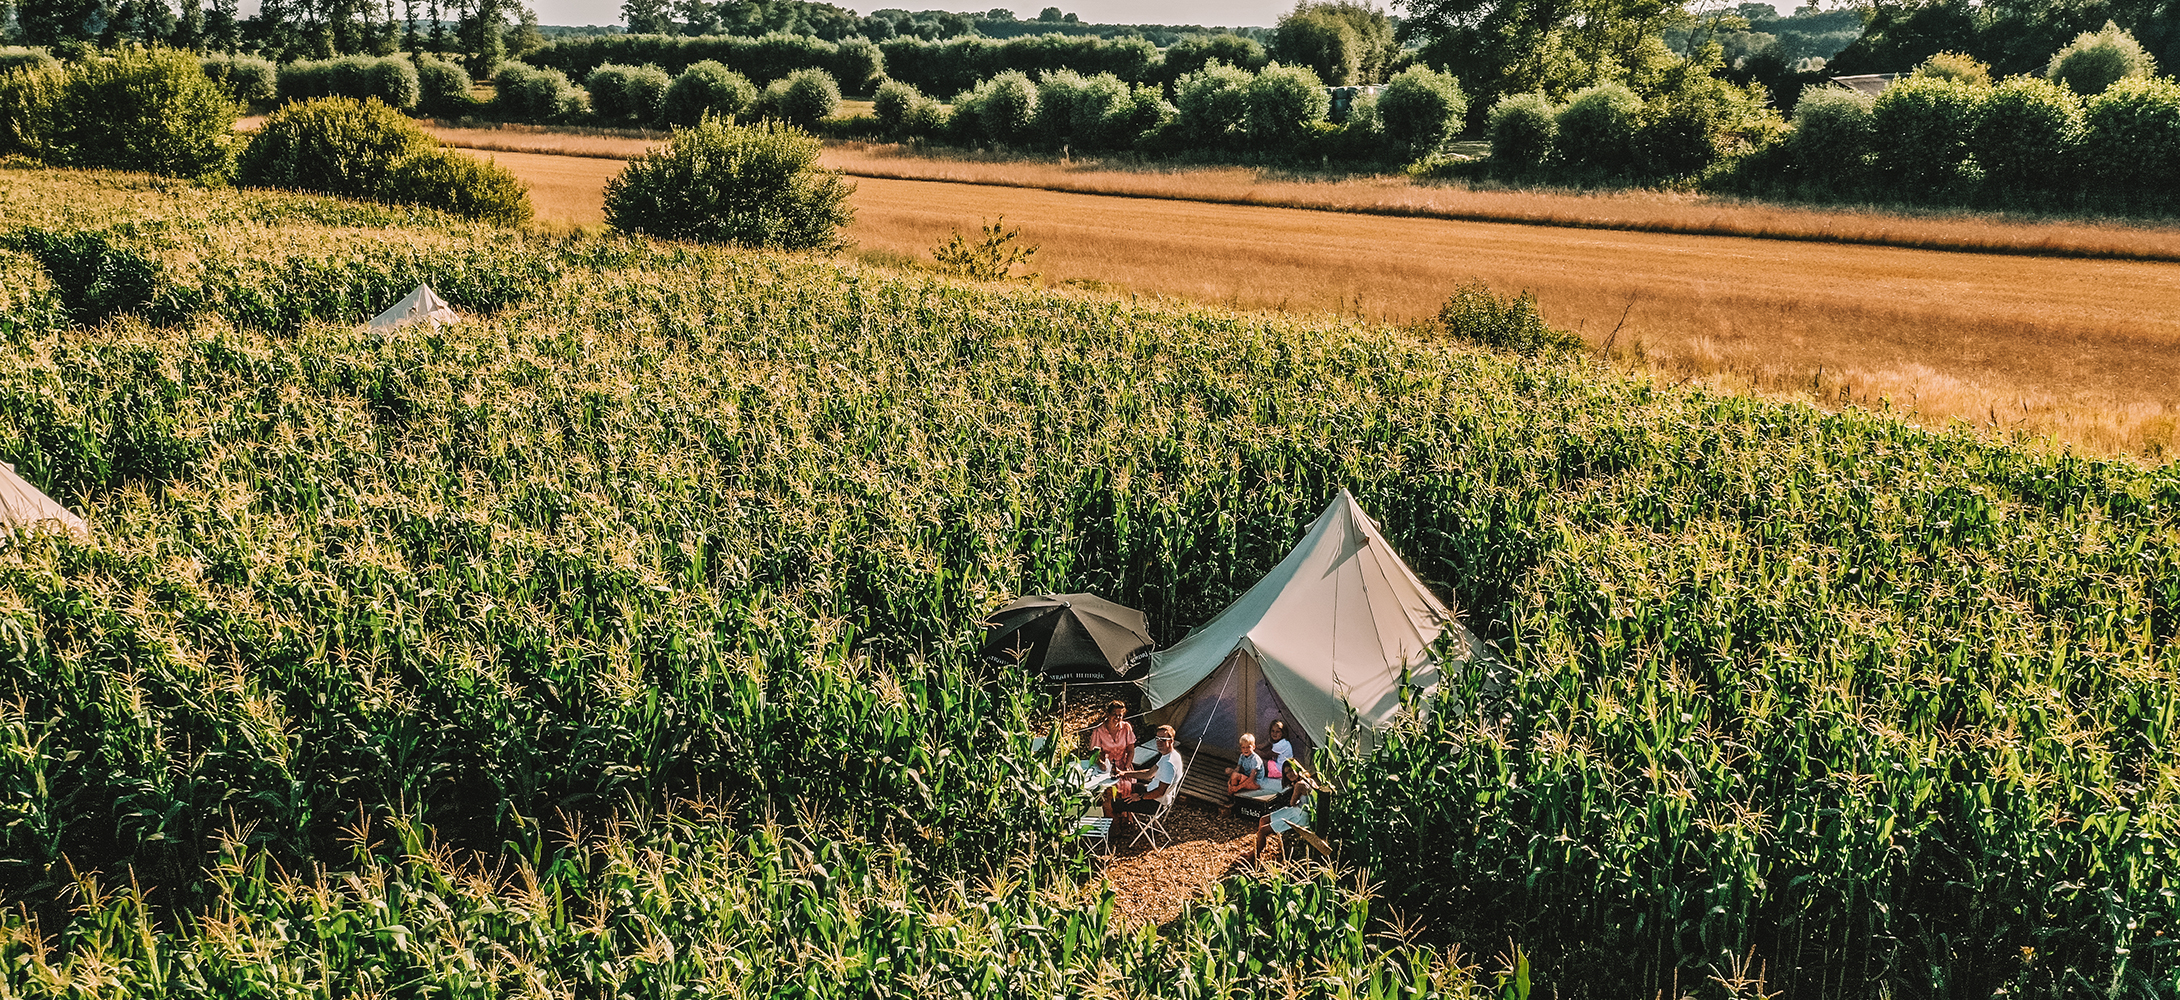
x=1093, y=781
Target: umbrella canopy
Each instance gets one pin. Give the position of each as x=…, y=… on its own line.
x=1071, y=638
x=420, y=306
x=24, y=508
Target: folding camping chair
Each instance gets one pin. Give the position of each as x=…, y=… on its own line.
x=1153, y=826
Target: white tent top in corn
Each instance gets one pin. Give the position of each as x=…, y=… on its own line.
x=24, y=508
x=1331, y=626
x=420, y=306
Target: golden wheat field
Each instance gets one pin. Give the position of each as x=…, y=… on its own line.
x=2086, y=351
x=1637, y=210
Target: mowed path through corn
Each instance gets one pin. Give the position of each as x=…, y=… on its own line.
x=2042, y=342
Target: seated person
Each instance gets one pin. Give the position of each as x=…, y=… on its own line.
x=1282, y=748
x=1247, y=774
x=1164, y=774
x=1113, y=741
x=1294, y=817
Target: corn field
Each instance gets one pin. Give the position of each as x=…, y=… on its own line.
x=617, y=642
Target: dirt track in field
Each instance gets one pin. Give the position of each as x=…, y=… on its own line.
x=2088, y=350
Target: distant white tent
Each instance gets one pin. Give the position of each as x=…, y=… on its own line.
x=420, y=306
x=1333, y=626
x=24, y=508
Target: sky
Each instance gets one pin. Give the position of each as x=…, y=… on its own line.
x=1210, y=13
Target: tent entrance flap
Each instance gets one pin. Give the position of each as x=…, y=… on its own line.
x=1234, y=699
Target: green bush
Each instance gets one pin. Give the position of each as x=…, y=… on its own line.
x=27, y=94
x=1832, y=137
x=1421, y=109
x=708, y=88
x=391, y=79
x=1212, y=104
x=443, y=87
x=802, y=98
x=859, y=65
x=1474, y=314
x=717, y=182
x=248, y=80
x=1003, y=109
x=1922, y=125
x=2131, y=140
x=892, y=103
x=334, y=145
x=364, y=149
x=152, y=110
x=527, y=93
x=1285, y=102
x=1955, y=66
x=1085, y=112
x=457, y=183
x=2027, y=137
x=2096, y=60
x=628, y=93
x=1683, y=132
x=1524, y=129
x=1597, y=129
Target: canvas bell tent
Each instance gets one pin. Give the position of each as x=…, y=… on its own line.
x=1331, y=627
x=24, y=508
x=420, y=306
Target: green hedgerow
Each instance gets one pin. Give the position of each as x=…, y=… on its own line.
x=753, y=186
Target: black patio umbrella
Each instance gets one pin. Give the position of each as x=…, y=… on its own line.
x=1068, y=638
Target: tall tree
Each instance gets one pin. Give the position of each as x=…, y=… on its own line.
x=1345, y=42
x=1510, y=46
x=483, y=36
x=223, y=26
x=646, y=17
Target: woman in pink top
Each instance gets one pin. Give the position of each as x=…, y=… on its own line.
x=1114, y=739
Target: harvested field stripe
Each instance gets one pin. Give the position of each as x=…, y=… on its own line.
x=1637, y=211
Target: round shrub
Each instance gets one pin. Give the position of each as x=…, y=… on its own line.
x=2096, y=60
x=1087, y=112
x=1524, y=128
x=708, y=87
x=1285, y=102
x=1421, y=109
x=248, y=80
x=1005, y=107
x=335, y=145
x=925, y=119
x=1958, y=67
x=443, y=87
x=803, y=98
x=1597, y=128
x=891, y=105
x=1923, y=125
x=527, y=93
x=457, y=183
x=2027, y=137
x=717, y=182
x=364, y=149
x=1212, y=104
x=27, y=94
x=859, y=65
x=627, y=93
x=2131, y=139
x=152, y=110
x=1832, y=136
